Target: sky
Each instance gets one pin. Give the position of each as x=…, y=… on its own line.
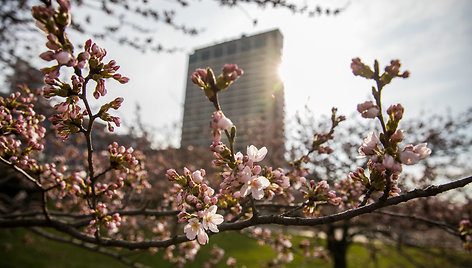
x=432, y=39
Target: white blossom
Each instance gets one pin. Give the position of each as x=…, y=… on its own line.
x=195, y=229
x=256, y=155
x=211, y=220
x=256, y=187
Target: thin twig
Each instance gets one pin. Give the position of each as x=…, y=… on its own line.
x=448, y=228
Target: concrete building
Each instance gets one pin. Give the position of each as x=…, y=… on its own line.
x=255, y=102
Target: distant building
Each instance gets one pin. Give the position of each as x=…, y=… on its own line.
x=255, y=102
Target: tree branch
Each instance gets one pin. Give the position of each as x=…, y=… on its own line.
x=272, y=219
x=22, y=172
x=450, y=229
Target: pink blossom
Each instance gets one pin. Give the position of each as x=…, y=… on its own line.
x=63, y=57
x=220, y=121
x=256, y=187
x=224, y=123
x=422, y=151
x=47, y=56
x=412, y=154
x=398, y=136
x=396, y=111
x=199, y=77
x=195, y=229
x=369, y=145
x=388, y=161
x=231, y=72
x=211, y=220
x=368, y=109
x=197, y=177
x=256, y=155
x=245, y=174
x=359, y=68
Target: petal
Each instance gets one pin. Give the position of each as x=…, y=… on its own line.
x=245, y=189
x=261, y=154
x=262, y=182
x=251, y=150
x=245, y=174
x=212, y=209
x=217, y=219
x=257, y=193
x=189, y=232
x=202, y=237
x=214, y=228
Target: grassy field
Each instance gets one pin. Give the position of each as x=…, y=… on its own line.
x=20, y=248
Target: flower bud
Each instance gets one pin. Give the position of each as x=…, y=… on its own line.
x=63, y=57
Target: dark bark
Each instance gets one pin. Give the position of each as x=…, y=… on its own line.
x=338, y=248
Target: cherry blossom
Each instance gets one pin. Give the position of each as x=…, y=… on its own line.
x=256, y=155
x=256, y=187
x=195, y=228
x=368, y=109
x=412, y=154
x=211, y=219
x=369, y=145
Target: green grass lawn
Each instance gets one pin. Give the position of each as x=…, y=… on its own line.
x=20, y=248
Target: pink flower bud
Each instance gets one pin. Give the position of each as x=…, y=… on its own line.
x=388, y=161
x=256, y=170
x=408, y=156
x=47, y=56
x=422, y=150
x=237, y=194
x=123, y=80
x=368, y=109
x=63, y=57
x=224, y=123
x=398, y=136
x=197, y=177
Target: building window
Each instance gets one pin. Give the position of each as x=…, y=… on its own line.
x=260, y=42
x=193, y=58
x=218, y=52
x=205, y=55
x=231, y=49
x=246, y=45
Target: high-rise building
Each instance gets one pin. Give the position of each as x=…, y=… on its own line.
x=255, y=102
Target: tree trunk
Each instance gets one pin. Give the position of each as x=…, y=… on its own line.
x=337, y=248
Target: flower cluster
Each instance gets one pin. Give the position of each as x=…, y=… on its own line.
x=207, y=219
x=218, y=123
x=197, y=204
x=281, y=243
x=205, y=79
x=127, y=163
x=70, y=116
x=122, y=158
x=101, y=218
x=248, y=178
x=385, y=158
x=313, y=252
x=182, y=253
x=316, y=193
x=350, y=189
x=20, y=131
